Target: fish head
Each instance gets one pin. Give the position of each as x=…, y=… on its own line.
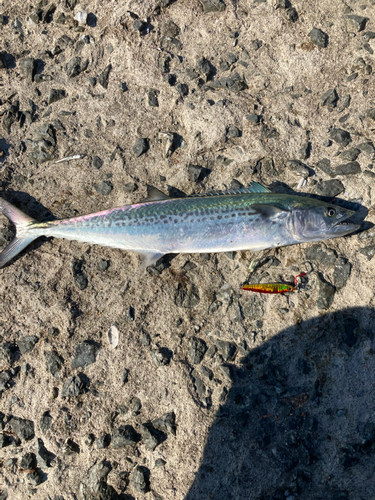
x=316, y=220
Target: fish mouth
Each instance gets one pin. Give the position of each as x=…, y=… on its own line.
x=343, y=228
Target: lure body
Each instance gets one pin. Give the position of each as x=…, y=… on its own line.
x=247, y=219
x=269, y=288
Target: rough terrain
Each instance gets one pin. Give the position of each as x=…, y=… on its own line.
x=211, y=392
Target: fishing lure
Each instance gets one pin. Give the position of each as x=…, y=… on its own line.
x=269, y=288
x=273, y=287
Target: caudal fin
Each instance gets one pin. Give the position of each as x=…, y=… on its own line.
x=23, y=236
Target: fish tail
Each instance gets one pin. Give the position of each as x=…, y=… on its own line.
x=24, y=235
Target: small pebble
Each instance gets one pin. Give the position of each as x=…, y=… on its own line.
x=35, y=478
x=367, y=147
x=233, y=131
x=113, y=336
x=161, y=356
x=350, y=154
x=326, y=294
x=85, y=354
x=171, y=29
x=140, y=147
x=298, y=168
x=89, y=441
x=318, y=37
x=330, y=188
x=140, y=479
x=359, y=22
x=213, y=5
x=104, y=187
x=139, y=26
x=130, y=187
x=45, y=422
x=341, y=272
x=195, y=173
x=125, y=376
x=103, y=441
x=54, y=362
x=23, y=428
x=351, y=168
x=79, y=276
x=81, y=17
x=27, y=67
x=182, y=89
x=253, y=118
x=103, y=78
x=198, y=348
x=368, y=251
x=329, y=98
x=28, y=461
x=153, y=98
x=124, y=435
x=103, y=265
x=342, y=137
x=292, y=14
x=27, y=343
x=56, y=95
x=74, y=386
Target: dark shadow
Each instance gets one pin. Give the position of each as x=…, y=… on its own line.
x=48, y=14
x=178, y=141
x=174, y=192
x=92, y=20
x=298, y=421
x=161, y=264
x=205, y=172
x=4, y=150
x=39, y=66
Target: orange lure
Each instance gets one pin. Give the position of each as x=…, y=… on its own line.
x=269, y=288
x=273, y=287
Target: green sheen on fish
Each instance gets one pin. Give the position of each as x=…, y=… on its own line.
x=252, y=218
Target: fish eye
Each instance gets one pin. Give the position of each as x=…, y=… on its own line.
x=330, y=212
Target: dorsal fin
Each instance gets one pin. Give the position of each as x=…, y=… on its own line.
x=256, y=187
x=154, y=194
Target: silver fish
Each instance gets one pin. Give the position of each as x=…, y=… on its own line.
x=251, y=218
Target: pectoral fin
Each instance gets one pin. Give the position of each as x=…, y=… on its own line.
x=150, y=258
x=269, y=211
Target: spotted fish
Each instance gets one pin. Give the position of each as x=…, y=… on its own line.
x=251, y=218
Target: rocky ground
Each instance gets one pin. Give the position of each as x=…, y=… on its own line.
x=211, y=392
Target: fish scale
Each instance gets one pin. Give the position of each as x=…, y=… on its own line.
x=248, y=219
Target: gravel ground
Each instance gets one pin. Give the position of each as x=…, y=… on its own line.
x=211, y=392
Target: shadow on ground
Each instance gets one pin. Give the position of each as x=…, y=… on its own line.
x=299, y=419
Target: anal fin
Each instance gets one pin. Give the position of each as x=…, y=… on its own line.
x=149, y=258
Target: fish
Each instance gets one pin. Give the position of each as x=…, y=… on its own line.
x=251, y=218
x=269, y=288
